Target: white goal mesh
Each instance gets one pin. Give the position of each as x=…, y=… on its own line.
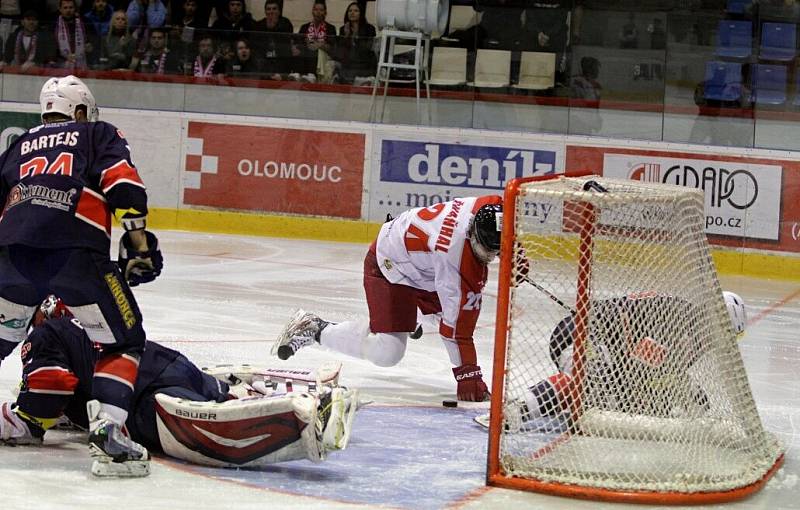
x=622, y=305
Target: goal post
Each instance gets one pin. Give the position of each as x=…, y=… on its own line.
x=608, y=287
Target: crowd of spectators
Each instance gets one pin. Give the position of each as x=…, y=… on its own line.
x=181, y=37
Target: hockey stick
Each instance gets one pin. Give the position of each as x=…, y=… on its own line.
x=549, y=294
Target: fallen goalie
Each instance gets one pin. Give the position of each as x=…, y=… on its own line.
x=228, y=416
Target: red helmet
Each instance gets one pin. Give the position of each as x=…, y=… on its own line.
x=51, y=308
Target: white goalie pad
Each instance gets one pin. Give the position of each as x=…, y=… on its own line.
x=290, y=379
x=343, y=406
x=245, y=432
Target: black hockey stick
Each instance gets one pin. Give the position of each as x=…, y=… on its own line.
x=549, y=294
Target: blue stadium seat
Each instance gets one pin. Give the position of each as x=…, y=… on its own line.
x=723, y=81
x=778, y=41
x=769, y=84
x=735, y=39
x=737, y=6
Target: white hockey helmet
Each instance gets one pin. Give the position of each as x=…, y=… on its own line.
x=736, y=311
x=63, y=95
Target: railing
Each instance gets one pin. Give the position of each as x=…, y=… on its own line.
x=724, y=77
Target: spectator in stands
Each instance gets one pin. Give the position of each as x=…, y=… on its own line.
x=189, y=21
x=157, y=59
x=234, y=22
x=318, y=35
x=73, y=40
x=272, y=45
x=585, y=86
x=29, y=47
x=546, y=26
x=146, y=13
x=207, y=64
x=244, y=64
x=118, y=45
x=658, y=36
x=355, y=52
x=629, y=34
x=99, y=18
x=185, y=32
x=500, y=27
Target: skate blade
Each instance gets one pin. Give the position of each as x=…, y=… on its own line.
x=482, y=420
x=103, y=468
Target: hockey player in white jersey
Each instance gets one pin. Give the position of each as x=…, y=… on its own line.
x=430, y=258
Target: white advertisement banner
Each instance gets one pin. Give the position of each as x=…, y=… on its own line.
x=417, y=170
x=741, y=199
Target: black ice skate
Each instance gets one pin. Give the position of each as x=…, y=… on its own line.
x=114, y=454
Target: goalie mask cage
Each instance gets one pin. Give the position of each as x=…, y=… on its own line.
x=653, y=403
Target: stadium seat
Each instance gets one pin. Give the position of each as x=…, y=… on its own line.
x=723, y=81
x=735, y=39
x=462, y=17
x=492, y=68
x=778, y=41
x=737, y=6
x=769, y=84
x=448, y=66
x=537, y=71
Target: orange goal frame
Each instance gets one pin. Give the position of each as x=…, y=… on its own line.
x=494, y=474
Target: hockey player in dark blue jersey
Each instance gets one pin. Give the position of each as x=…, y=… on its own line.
x=59, y=183
x=177, y=408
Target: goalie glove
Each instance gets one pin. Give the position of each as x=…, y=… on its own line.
x=471, y=387
x=140, y=266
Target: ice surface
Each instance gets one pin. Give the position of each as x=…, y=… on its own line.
x=223, y=299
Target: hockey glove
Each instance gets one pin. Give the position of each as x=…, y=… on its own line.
x=471, y=387
x=140, y=266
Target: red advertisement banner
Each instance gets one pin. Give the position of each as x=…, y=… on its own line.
x=768, y=210
x=272, y=169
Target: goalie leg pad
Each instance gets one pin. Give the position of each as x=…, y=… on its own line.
x=343, y=405
x=251, y=431
x=325, y=374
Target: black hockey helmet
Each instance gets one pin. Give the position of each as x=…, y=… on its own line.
x=487, y=225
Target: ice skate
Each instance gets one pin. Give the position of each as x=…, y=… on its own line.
x=114, y=454
x=304, y=329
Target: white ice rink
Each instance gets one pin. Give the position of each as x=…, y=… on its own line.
x=222, y=299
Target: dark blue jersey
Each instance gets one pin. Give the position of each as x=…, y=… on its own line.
x=61, y=182
x=58, y=365
x=59, y=359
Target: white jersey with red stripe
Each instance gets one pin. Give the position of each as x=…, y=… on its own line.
x=428, y=248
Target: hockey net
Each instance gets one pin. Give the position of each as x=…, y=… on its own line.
x=621, y=303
